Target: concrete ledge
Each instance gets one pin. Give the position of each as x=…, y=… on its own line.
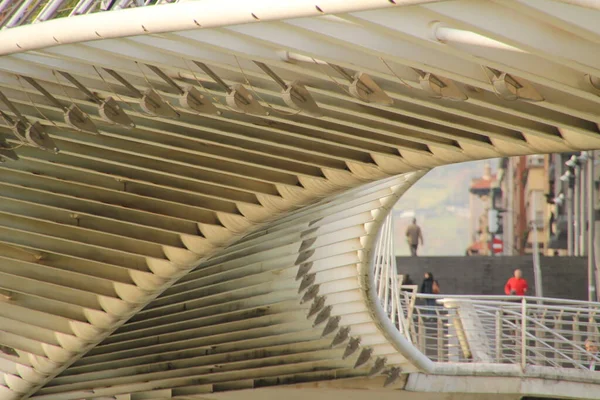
x=495, y=385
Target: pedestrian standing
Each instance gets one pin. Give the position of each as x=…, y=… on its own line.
x=430, y=286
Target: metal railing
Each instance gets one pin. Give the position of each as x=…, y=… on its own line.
x=527, y=331
x=15, y=13
x=386, y=276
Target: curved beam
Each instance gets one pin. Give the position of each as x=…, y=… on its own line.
x=115, y=219
x=287, y=296
x=173, y=18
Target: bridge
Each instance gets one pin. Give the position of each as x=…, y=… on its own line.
x=194, y=196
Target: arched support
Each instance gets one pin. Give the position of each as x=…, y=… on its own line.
x=288, y=294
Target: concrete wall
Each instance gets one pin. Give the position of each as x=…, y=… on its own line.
x=562, y=277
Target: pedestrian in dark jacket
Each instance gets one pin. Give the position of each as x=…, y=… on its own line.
x=430, y=286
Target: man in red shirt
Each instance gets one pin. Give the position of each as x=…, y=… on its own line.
x=516, y=286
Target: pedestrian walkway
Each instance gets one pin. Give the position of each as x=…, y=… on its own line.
x=466, y=335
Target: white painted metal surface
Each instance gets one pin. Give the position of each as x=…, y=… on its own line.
x=386, y=278
x=148, y=182
x=554, y=330
x=525, y=337
x=282, y=306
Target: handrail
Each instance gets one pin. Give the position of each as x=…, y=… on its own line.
x=492, y=331
x=530, y=299
x=531, y=325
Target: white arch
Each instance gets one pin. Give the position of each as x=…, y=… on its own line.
x=94, y=233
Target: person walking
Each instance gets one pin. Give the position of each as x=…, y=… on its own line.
x=516, y=286
x=430, y=286
x=414, y=237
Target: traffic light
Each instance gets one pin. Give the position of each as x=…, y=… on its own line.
x=499, y=221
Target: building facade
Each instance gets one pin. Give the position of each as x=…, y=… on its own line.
x=538, y=194
x=484, y=195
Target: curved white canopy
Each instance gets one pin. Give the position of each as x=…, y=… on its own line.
x=243, y=112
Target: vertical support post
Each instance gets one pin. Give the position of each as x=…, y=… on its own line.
x=537, y=270
x=576, y=336
x=582, y=208
x=509, y=226
x=591, y=223
x=523, y=333
x=575, y=219
x=557, y=327
x=392, y=272
x=410, y=317
x=379, y=264
x=422, y=335
x=491, y=215
x=440, y=339
x=498, y=336
x=570, y=220
x=538, y=349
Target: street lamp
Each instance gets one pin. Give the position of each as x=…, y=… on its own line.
x=574, y=163
x=559, y=200
x=583, y=171
x=569, y=178
x=567, y=175
x=591, y=221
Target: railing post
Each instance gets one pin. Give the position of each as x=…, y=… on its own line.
x=422, y=334
x=498, y=336
x=576, y=336
x=440, y=338
x=523, y=333
x=558, y=325
x=538, y=357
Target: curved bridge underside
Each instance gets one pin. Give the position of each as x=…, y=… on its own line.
x=182, y=128
x=284, y=305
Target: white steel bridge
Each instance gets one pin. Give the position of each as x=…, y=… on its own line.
x=193, y=195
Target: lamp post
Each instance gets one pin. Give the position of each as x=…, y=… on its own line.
x=570, y=220
x=537, y=270
x=591, y=213
x=576, y=165
x=582, y=208
x=575, y=219
x=569, y=178
x=559, y=201
x=582, y=160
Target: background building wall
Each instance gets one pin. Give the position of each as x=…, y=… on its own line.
x=563, y=277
